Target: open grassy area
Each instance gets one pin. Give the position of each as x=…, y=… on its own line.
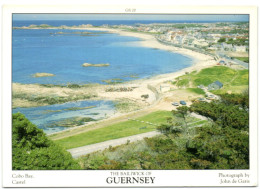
x=233, y=89
x=244, y=59
x=140, y=125
x=196, y=90
x=231, y=79
x=119, y=130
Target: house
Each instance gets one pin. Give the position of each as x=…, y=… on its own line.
x=213, y=48
x=216, y=85
x=240, y=48
x=178, y=39
x=200, y=43
x=226, y=47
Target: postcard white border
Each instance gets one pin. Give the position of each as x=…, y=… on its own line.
x=85, y=178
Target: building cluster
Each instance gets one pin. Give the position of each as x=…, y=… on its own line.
x=212, y=38
x=206, y=36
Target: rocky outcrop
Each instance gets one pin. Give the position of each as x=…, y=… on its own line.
x=43, y=75
x=95, y=65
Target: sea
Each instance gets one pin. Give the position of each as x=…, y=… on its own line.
x=49, y=51
x=62, y=52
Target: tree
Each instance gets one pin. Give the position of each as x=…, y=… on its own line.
x=230, y=41
x=183, y=111
x=32, y=150
x=225, y=115
x=221, y=40
x=219, y=148
x=176, y=124
x=221, y=143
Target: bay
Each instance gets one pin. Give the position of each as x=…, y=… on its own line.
x=47, y=51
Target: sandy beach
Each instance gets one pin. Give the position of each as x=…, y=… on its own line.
x=200, y=60
x=140, y=86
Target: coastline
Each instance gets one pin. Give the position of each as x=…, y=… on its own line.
x=200, y=61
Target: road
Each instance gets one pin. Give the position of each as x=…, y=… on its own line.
x=236, y=61
x=76, y=152
x=220, y=54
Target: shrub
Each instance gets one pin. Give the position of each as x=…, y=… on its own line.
x=32, y=150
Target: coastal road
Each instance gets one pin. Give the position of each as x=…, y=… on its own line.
x=236, y=61
x=76, y=152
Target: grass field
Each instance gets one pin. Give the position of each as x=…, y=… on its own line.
x=115, y=131
x=233, y=89
x=244, y=59
x=196, y=90
x=233, y=80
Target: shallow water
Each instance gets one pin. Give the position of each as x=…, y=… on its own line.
x=49, y=117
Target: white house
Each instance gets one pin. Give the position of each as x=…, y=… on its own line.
x=226, y=47
x=179, y=39
x=200, y=43
x=240, y=48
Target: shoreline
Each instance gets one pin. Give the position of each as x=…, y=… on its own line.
x=200, y=61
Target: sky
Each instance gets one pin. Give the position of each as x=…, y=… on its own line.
x=182, y=17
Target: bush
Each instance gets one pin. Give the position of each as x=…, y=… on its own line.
x=222, y=143
x=32, y=150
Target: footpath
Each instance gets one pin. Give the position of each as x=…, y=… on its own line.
x=76, y=152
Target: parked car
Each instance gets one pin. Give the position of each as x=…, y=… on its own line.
x=211, y=97
x=175, y=104
x=182, y=102
x=202, y=99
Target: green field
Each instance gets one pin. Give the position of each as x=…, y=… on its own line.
x=231, y=79
x=244, y=59
x=234, y=89
x=196, y=90
x=119, y=130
